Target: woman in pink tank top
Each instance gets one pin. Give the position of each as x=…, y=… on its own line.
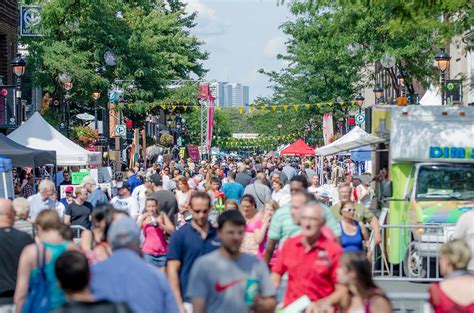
x=248, y=208
x=154, y=225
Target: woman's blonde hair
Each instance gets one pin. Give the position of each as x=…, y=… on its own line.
x=273, y=203
x=457, y=252
x=21, y=206
x=231, y=201
x=48, y=220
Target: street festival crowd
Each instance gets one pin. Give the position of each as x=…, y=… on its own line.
x=230, y=235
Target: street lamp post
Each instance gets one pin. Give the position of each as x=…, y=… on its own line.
x=66, y=80
x=442, y=61
x=19, y=68
x=96, y=96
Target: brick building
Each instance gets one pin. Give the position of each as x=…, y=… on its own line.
x=8, y=37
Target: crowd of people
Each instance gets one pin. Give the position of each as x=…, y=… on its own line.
x=256, y=235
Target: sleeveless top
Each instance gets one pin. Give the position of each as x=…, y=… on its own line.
x=56, y=295
x=155, y=241
x=441, y=303
x=351, y=243
x=249, y=245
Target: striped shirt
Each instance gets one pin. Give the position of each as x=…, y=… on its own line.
x=25, y=226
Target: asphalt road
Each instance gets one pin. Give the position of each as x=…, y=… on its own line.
x=406, y=296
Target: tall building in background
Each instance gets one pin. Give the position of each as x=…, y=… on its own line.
x=229, y=94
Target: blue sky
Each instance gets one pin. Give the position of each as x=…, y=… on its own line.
x=241, y=37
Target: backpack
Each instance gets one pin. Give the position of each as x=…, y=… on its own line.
x=38, y=300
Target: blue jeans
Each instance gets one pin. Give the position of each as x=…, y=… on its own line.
x=157, y=260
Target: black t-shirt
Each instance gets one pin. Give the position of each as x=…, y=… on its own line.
x=93, y=307
x=80, y=214
x=12, y=242
x=166, y=202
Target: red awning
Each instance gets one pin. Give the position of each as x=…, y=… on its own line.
x=298, y=148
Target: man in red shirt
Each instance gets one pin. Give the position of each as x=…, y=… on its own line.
x=311, y=261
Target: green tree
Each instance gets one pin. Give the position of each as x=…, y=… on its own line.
x=150, y=39
x=331, y=43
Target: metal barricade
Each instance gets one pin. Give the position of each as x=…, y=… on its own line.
x=76, y=233
x=410, y=252
x=404, y=302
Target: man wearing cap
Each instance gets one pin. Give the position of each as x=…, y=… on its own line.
x=66, y=201
x=124, y=200
x=126, y=277
x=96, y=196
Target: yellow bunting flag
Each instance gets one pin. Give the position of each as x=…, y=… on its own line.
x=285, y=107
x=163, y=107
x=296, y=107
x=318, y=105
x=306, y=106
x=173, y=108
x=274, y=108
x=185, y=108
x=241, y=110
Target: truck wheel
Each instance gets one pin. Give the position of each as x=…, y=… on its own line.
x=413, y=263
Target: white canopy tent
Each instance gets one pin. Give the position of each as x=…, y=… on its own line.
x=431, y=97
x=356, y=138
x=36, y=133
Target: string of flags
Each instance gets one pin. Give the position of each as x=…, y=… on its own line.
x=254, y=142
x=186, y=107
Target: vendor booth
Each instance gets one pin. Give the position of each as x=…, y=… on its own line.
x=298, y=148
x=36, y=133
x=22, y=156
x=356, y=138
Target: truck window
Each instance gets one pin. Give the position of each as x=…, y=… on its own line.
x=450, y=181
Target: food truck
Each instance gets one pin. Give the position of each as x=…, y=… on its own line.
x=431, y=158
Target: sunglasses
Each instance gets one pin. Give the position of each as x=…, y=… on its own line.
x=348, y=210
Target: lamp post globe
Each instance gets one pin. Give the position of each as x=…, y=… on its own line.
x=18, y=65
x=359, y=100
x=442, y=60
x=378, y=92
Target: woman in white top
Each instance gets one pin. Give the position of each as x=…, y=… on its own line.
x=280, y=194
x=183, y=195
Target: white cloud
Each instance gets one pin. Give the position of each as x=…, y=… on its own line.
x=274, y=46
x=203, y=10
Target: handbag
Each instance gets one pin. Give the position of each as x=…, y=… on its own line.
x=38, y=300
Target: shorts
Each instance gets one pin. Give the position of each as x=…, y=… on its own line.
x=157, y=260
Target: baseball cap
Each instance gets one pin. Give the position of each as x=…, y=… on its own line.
x=123, y=232
x=123, y=184
x=69, y=189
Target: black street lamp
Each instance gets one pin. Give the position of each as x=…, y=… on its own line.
x=359, y=101
x=378, y=92
x=66, y=80
x=18, y=68
x=279, y=133
x=442, y=61
x=96, y=96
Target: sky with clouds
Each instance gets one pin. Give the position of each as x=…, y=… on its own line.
x=241, y=37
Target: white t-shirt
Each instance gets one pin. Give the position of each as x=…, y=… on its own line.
x=139, y=193
x=129, y=205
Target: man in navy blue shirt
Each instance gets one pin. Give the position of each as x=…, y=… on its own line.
x=193, y=240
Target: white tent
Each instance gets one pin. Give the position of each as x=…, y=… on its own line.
x=356, y=138
x=431, y=97
x=36, y=133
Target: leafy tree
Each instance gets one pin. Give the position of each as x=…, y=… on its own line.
x=332, y=42
x=150, y=39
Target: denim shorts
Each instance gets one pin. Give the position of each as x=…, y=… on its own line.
x=157, y=260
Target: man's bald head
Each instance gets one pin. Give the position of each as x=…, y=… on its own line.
x=7, y=215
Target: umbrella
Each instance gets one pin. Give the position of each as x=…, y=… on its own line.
x=85, y=117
